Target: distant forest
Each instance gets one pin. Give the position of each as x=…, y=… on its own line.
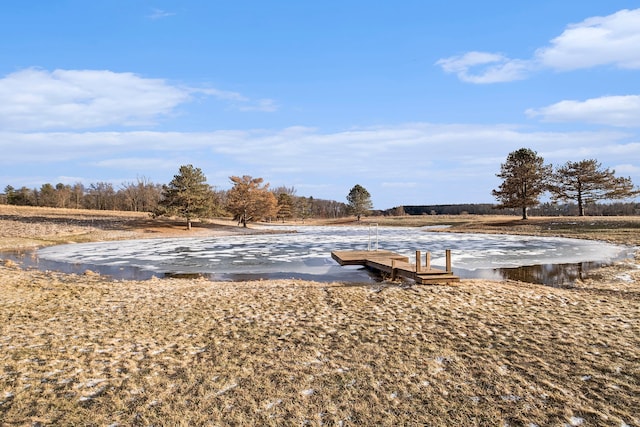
x=544, y=209
x=145, y=196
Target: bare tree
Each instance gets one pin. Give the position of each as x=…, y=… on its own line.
x=291, y=191
x=63, y=195
x=77, y=194
x=101, y=196
x=303, y=208
x=142, y=195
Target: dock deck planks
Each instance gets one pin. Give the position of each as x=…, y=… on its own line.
x=395, y=265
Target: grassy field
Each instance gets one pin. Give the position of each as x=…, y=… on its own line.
x=84, y=350
x=623, y=230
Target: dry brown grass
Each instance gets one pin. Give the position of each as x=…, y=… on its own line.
x=83, y=350
x=23, y=227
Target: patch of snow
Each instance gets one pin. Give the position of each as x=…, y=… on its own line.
x=8, y=397
x=93, y=395
x=307, y=392
x=272, y=404
x=227, y=388
x=92, y=383
x=576, y=421
x=625, y=278
x=198, y=351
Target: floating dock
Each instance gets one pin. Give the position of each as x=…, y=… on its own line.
x=397, y=265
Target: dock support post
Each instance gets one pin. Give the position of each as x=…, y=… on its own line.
x=448, y=257
x=418, y=262
x=393, y=269
x=376, y=225
x=428, y=264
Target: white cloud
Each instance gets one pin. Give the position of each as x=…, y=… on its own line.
x=240, y=102
x=265, y=105
x=601, y=40
x=159, y=14
x=448, y=162
x=607, y=151
x=387, y=150
x=623, y=111
x=460, y=64
x=399, y=184
x=485, y=67
x=136, y=164
x=34, y=99
x=77, y=99
x=627, y=169
x=222, y=94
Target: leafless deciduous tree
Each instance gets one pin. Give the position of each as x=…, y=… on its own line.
x=141, y=196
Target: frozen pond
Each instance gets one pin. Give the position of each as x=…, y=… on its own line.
x=306, y=254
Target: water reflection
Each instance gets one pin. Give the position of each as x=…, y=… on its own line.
x=549, y=274
x=545, y=274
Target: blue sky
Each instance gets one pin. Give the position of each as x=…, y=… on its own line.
x=418, y=101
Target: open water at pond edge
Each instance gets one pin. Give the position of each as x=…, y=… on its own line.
x=306, y=255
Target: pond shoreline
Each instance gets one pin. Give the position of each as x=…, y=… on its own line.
x=303, y=252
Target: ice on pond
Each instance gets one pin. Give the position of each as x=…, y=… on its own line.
x=306, y=253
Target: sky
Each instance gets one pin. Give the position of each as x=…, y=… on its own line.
x=418, y=101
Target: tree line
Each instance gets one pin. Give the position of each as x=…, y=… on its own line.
x=188, y=195
x=526, y=177
x=139, y=196
x=543, y=209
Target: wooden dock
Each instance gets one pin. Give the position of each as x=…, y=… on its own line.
x=397, y=265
